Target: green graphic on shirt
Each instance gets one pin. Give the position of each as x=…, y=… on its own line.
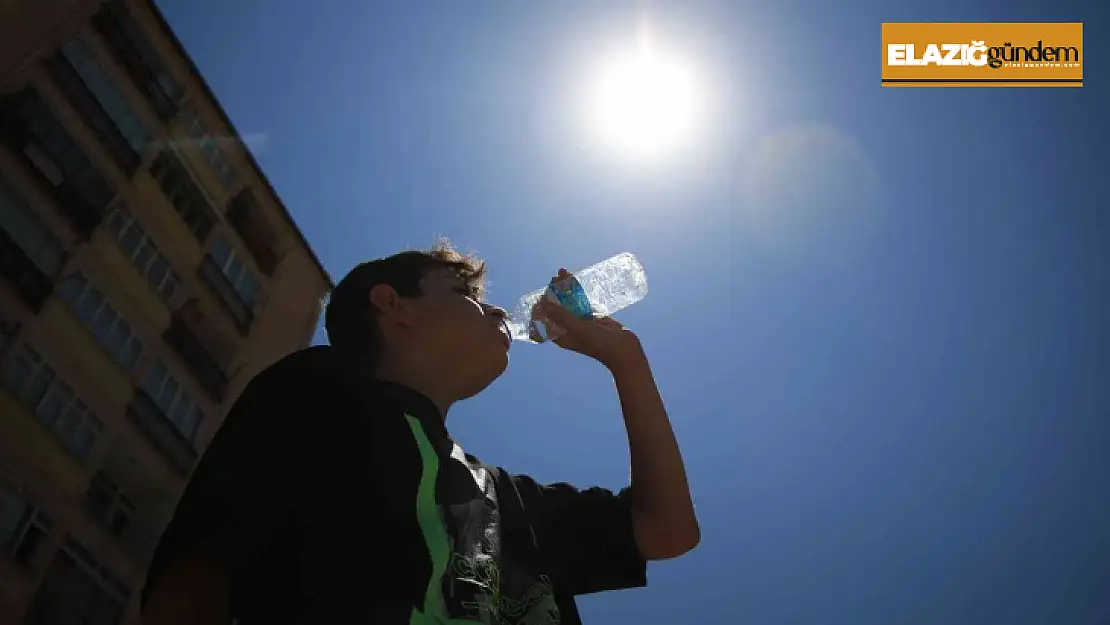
x=535, y=607
x=435, y=535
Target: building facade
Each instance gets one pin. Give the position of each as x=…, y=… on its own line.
x=147, y=271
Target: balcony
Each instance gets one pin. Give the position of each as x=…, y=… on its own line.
x=259, y=239
x=196, y=356
x=20, y=271
x=184, y=195
x=55, y=160
x=162, y=434
x=138, y=58
x=96, y=118
x=218, y=283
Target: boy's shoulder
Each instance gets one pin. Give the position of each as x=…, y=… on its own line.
x=316, y=362
x=318, y=379
x=306, y=375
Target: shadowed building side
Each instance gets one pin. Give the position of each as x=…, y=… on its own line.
x=147, y=271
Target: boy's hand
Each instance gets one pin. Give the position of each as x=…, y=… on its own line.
x=602, y=338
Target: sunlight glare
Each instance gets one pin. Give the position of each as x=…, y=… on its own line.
x=644, y=104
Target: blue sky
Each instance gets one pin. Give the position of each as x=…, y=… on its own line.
x=878, y=316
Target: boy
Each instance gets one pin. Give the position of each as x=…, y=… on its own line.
x=333, y=493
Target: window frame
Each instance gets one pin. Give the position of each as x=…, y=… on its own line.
x=116, y=504
x=30, y=518
x=39, y=383
x=247, y=270
x=106, y=92
x=123, y=224
x=167, y=168
x=209, y=146
x=44, y=248
x=58, y=158
x=192, y=409
x=76, y=290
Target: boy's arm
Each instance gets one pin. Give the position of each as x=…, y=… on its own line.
x=662, y=509
x=663, y=515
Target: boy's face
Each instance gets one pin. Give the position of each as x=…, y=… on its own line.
x=468, y=337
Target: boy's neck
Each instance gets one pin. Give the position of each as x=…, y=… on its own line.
x=423, y=382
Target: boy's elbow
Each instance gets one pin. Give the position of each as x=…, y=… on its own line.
x=693, y=538
x=664, y=541
x=685, y=540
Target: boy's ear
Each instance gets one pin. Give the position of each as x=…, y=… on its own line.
x=388, y=305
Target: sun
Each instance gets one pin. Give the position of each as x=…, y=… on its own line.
x=644, y=103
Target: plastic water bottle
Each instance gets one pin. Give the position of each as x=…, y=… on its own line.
x=600, y=290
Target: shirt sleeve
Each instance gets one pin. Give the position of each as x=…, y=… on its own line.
x=237, y=499
x=586, y=535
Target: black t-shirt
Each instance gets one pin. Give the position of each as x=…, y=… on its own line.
x=331, y=499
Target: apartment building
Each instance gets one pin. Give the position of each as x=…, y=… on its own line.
x=147, y=271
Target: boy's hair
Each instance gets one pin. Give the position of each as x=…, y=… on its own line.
x=351, y=320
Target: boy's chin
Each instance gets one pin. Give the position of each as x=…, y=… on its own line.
x=479, y=385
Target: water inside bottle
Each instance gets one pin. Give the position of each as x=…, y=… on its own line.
x=608, y=287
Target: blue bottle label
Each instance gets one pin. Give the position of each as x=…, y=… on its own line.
x=570, y=295
x=568, y=292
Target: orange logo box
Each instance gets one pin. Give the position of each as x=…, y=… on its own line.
x=937, y=54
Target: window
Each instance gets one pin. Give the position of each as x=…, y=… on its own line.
x=28, y=232
x=209, y=146
x=93, y=93
x=245, y=217
x=195, y=354
x=34, y=383
x=30, y=536
x=57, y=157
x=236, y=272
x=105, y=503
x=172, y=399
x=106, y=93
x=84, y=102
x=78, y=590
x=138, y=247
x=143, y=63
x=184, y=194
x=115, y=335
x=23, y=527
x=90, y=93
